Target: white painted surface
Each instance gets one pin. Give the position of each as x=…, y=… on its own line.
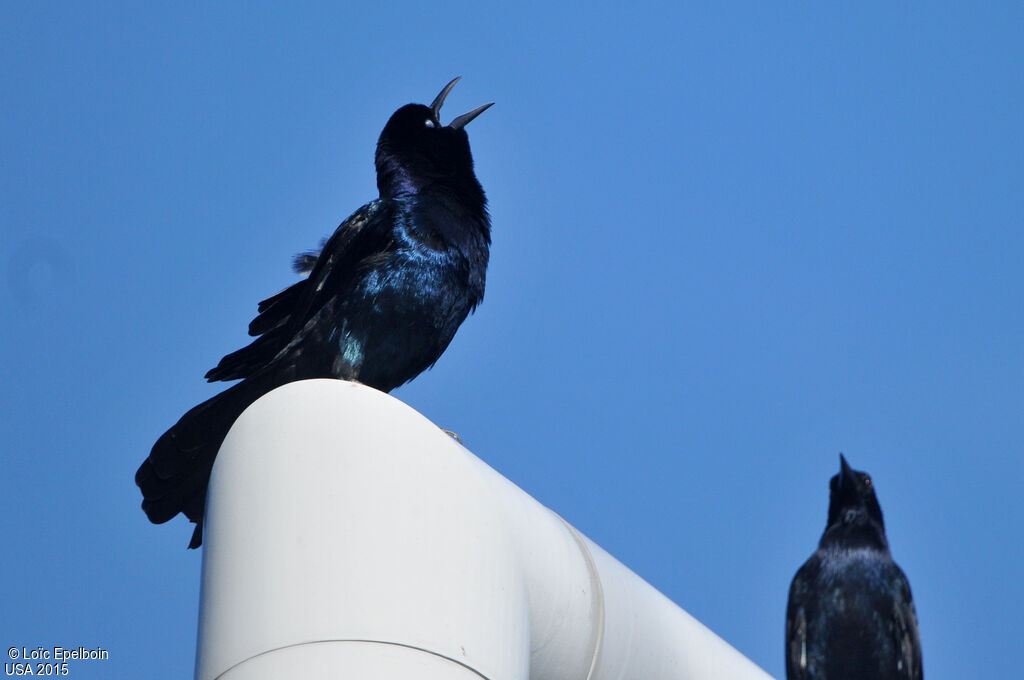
x=349, y=537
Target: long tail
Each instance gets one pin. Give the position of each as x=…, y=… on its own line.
x=174, y=477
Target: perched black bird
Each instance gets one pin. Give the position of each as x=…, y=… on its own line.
x=850, y=614
x=383, y=299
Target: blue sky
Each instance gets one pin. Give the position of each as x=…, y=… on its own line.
x=730, y=241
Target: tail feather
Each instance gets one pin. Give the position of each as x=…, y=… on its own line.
x=272, y=325
x=250, y=359
x=174, y=477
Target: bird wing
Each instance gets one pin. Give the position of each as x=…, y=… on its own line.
x=800, y=597
x=365, y=233
x=906, y=638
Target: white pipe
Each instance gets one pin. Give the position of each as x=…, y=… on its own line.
x=346, y=535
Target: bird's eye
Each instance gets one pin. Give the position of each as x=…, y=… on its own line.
x=429, y=123
x=868, y=483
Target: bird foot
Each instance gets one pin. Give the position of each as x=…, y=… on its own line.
x=453, y=435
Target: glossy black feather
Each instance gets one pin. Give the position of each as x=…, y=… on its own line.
x=303, y=263
x=383, y=299
x=850, y=613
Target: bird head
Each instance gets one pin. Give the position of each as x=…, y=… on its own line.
x=416, y=150
x=854, y=516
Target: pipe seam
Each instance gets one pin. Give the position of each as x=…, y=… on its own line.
x=365, y=641
x=598, y=596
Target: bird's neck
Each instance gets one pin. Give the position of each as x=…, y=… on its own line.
x=860, y=534
x=455, y=208
x=408, y=188
x=394, y=179
x=409, y=178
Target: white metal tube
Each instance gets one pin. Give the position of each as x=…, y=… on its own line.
x=346, y=534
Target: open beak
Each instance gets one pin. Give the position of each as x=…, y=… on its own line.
x=461, y=121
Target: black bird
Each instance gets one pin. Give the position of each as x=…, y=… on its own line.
x=383, y=298
x=850, y=613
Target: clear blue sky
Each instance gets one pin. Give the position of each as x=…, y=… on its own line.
x=730, y=241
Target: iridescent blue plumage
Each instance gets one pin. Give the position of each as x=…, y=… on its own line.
x=850, y=613
x=383, y=299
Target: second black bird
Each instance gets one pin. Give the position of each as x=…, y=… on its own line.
x=383, y=299
x=850, y=613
